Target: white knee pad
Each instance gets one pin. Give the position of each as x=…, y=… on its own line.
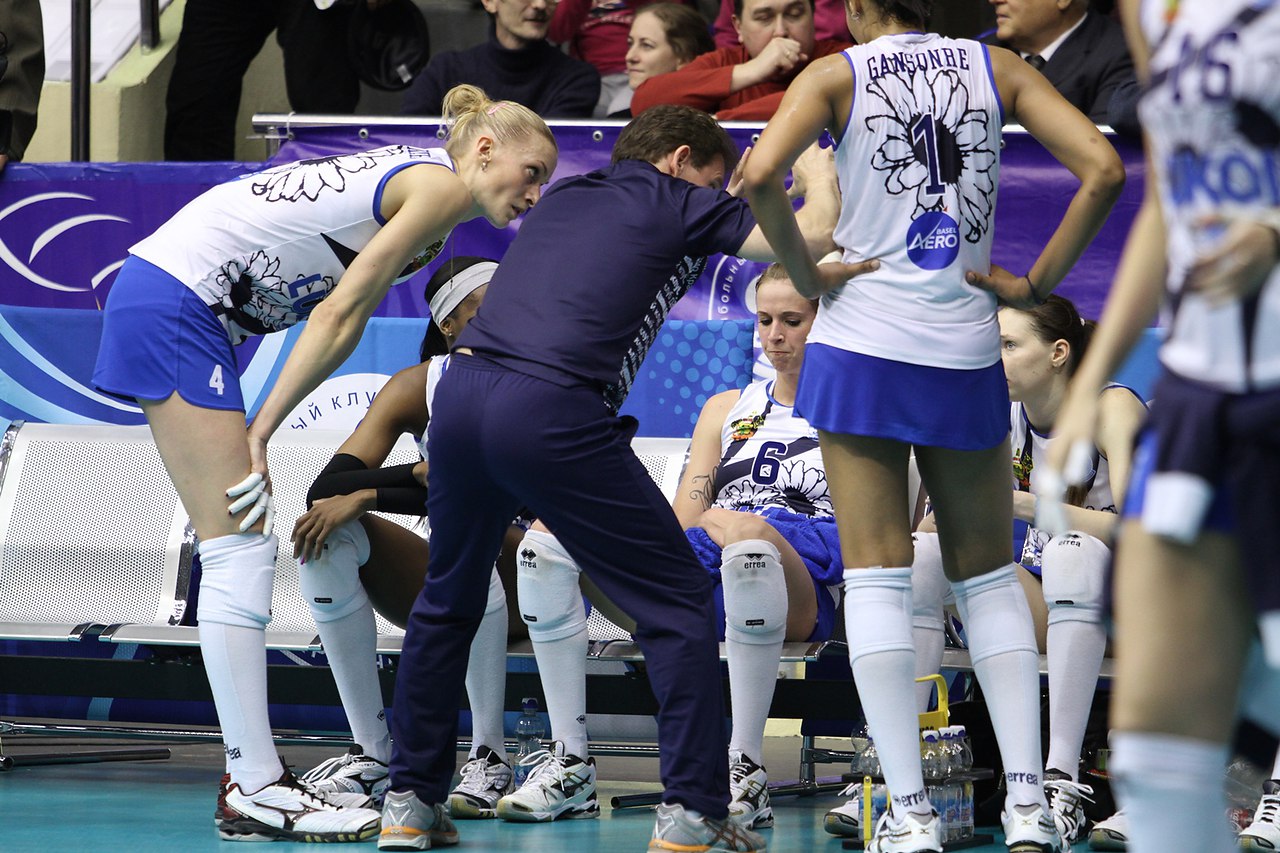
x=1073, y=570
x=237, y=575
x=497, y=595
x=997, y=618
x=547, y=585
x=331, y=582
x=755, y=592
x=929, y=585
x=877, y=605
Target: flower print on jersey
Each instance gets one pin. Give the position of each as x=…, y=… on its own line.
x=805, y=489
x=743, y=495
x=935, y=145
x=306, y=179
x=744, y=428
x=259, y=301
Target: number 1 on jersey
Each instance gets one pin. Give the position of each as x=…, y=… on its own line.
x=924, y=130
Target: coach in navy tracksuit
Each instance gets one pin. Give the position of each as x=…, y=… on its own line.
x=527, y=416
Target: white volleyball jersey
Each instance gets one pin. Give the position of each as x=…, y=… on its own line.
x=769, y=457
x=918, y=166
x=1028, y=446
x=1212, y=114
x=265, y=249
x=435, y=369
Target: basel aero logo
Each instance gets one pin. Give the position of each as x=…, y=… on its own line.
x=933, y=241
x=40, y=233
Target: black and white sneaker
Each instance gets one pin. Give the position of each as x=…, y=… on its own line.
x=748, y=793
x=350, y=779
x=559, y=786
x=486, y=779
x=1066, y=802
x=287, y=810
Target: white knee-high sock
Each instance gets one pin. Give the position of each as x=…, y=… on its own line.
x=1170, y=788
x=344, y=618
x=1002, y=645
x=487, y=671
x=755, y=609
x=235, y=605
x=929, y=587
x=1073, y=571
x=551, y=605
x=877, y=612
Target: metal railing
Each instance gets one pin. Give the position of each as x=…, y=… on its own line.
x=81, y=28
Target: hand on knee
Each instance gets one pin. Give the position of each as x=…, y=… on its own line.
x=547, y=587
x=1073, y=572
x=755, y=592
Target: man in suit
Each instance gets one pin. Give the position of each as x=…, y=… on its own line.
x=1081, y=52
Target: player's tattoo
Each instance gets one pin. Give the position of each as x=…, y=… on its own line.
x=703, y=490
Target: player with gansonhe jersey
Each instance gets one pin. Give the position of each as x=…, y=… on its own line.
x=909, y=355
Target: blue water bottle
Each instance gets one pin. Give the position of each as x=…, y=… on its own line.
x=529, y=734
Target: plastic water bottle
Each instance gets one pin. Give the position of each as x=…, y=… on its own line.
x=929, y=757
x=869, y=762
x=529, y=734
x=965, y=764
x=954, y=789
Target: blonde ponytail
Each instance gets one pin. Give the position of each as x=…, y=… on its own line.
x=468, y=112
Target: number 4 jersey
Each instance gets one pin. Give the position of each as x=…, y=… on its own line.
x=918, y=163
x=265, y=249
x=769, y=457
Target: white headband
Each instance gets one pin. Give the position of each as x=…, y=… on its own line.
x=459, y=287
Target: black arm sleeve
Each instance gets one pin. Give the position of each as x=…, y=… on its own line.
x=346, y=474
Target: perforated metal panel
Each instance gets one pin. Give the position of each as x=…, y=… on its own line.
x=664, y=459
x=89, y=528
x=295, y=460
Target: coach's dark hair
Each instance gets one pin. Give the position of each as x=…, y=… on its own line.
x=685, y=28
x=658, y=131
x=1058, y=320
x=913, y=13
x=737, y=8
x=434, y=341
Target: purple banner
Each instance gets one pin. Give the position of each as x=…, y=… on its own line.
x=65, y=228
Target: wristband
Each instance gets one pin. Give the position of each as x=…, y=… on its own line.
x=1035, y=297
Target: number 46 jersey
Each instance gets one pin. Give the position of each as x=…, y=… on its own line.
x=918, y=163
x=769, y=457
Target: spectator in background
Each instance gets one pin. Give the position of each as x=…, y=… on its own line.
x=21, y=75
x=1081, y=52
x=745, y=82
x=595, y=31
x=219, y=40
x=664, y=37
x=828, y=22
x=516, y=63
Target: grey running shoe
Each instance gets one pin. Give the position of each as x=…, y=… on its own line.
x=410, y=824
x=678, y=830
x=351, y=779
x=485, y=779
x=749, y=793
x=1066, y=802
x=286, y=810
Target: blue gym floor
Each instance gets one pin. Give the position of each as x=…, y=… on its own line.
x=168, y=805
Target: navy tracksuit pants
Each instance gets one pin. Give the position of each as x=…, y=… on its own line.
x=501, y=440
